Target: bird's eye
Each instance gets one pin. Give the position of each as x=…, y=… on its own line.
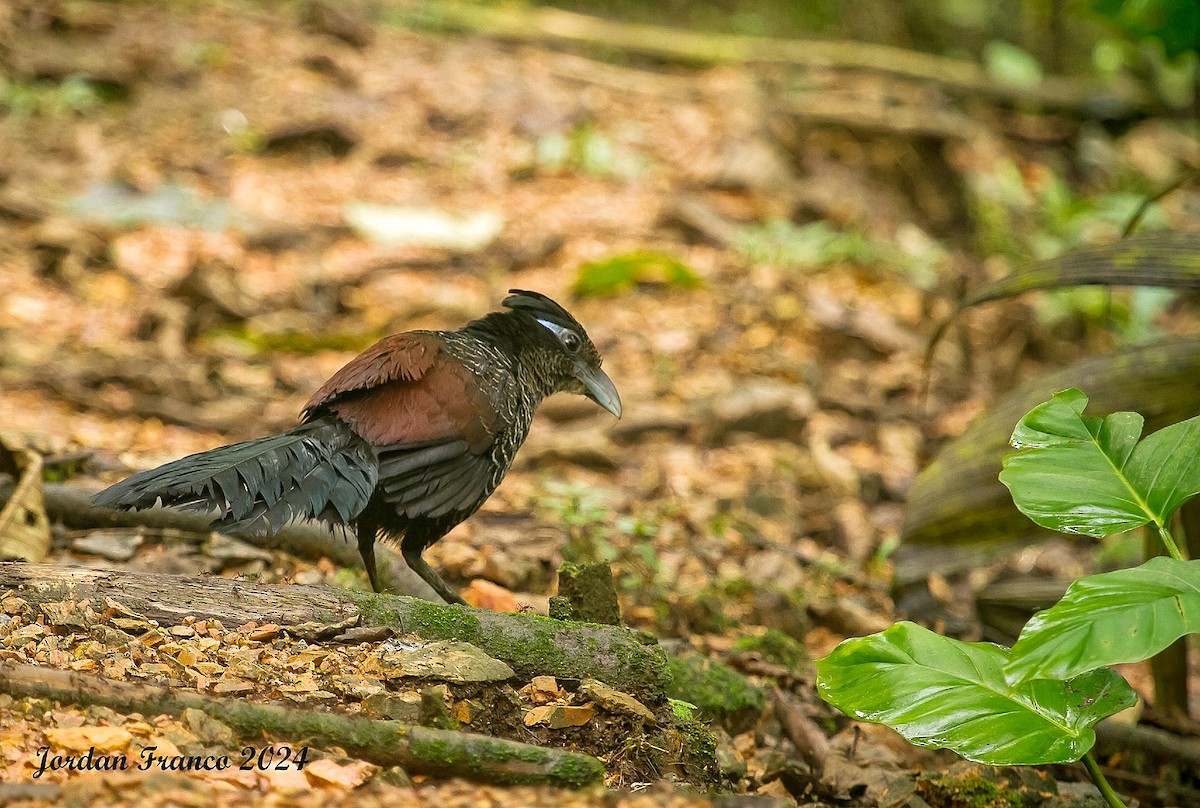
x=571, y=341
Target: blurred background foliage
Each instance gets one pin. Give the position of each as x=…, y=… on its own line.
x=1017, y=40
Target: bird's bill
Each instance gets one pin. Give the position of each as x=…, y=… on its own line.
x=600, y=388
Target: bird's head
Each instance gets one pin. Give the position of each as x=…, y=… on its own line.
x=563, y=348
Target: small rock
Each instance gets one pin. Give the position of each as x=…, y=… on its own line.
x=447, y=660
x=109, y=546
x=466, y=711
x=543, y=689
x=11, y=604
x=69, y=614
x=435, y=711
x=265, y=633
x=206, y=728
x=230, y=551
x=614, y=700
x=359, y=687
x=131, y=625
x=403, y=707
x=484, y=594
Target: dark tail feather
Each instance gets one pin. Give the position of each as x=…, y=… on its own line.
x=321, y=470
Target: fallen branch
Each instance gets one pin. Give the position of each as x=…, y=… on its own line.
x=530, y=644
x=544, y=24
x=419, y=750
x=71, y=506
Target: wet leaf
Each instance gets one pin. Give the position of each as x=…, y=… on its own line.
x=1122, y=616
x=940, y=693
x=1080, y=474
x=957, y=507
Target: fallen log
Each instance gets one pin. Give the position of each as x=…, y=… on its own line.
x=419, y=750
x=530, y=644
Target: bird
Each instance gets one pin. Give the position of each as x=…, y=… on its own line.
x=404, y=442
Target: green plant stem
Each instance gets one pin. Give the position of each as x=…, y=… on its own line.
x=1173, y=550
x=1111, y=797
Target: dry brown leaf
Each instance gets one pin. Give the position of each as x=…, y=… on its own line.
x=287, y=781
x=484, y=594
x=559, y=716
x=325, y=772
x=81, y=739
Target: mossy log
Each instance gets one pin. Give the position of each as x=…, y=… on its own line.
x=419, y=750
x=530, y=644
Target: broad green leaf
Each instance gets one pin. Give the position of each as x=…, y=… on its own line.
x=1070, y=476
x=1079, y=474
x=940, y=693
x=1123, y=616
x=959, y=514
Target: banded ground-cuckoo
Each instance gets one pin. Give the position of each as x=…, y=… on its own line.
x=408, y=439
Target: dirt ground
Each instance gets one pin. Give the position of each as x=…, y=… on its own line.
x=187, y=251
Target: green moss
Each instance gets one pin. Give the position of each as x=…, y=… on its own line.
x=719, y=692
x=699, y=753
x=540, y=646
x=578, y=771
x=974, y=786
x=442, y=752
x=775, y=646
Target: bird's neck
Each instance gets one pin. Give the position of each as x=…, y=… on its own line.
x=510, y=333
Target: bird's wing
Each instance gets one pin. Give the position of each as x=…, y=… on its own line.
x=400, y=357
x=434, y=480
x=407, y=391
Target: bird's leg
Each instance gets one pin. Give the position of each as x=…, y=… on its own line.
x=411, y=550
x=367, y=530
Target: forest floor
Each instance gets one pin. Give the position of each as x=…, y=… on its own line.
x=200, y=205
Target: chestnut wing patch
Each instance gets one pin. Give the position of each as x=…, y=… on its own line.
x=406, y=391
x=400, y=357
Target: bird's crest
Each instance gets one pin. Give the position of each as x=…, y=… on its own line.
x=540, y=306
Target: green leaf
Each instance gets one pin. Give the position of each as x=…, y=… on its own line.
x=1123, y=616
x=623, y=272
x=1009, y=64
x=958, y=511
x=1078, y=474
x=1070, y=476
x=1171, y=23
x=940, y=693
